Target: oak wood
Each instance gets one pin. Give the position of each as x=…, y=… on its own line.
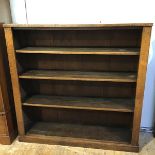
x=86, y=132
x=106, y=104
x=1, y=101
x=102, y=63
x=7, y=139
x=98, y=51
x=146, y=147
x=77, y=75
x=3, y=125
x=47, y=61
x=8, y=130
x=141, y=83
x=106, y=145
x=62, y=115
x=78, y=88
x=4, y=98
x=14, y=79
x=79, y=25
x=111, y=38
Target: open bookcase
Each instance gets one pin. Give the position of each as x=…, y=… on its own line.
x=79, y=85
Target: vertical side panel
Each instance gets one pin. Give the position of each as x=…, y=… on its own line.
x=14, y=79
x=145, y=42
x=4, y=101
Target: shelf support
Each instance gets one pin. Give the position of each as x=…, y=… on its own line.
x=144, y=51
x=14, y=79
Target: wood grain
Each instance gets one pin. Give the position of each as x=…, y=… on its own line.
x=86, y=132
x=1, y=101
x=14, y=79
x=111, y=38
x=18, y=148
x=80, y=143
x=7, y=115
x=120, y=105
x=101, y=63
x=141, y=83
x=97, y=51
x=4, y=96
x=80, y=76
x=62, y=115
x=3, y=125
x=79, y=25
x=48, y=70
x=79, y=88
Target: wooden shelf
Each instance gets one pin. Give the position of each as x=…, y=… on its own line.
x=97, y=51
x=106, y=104
x=78, y=75
x=84, y=132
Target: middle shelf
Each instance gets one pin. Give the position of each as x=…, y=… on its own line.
x=73, y=50
x=79, y=75
x=106, y=104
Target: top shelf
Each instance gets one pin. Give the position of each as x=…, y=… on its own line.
x=79, y=25
x=88, y=51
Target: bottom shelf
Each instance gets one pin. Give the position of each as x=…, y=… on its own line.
x=84, y=132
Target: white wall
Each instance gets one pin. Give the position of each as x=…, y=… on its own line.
x=18, y=11
x=95, y=11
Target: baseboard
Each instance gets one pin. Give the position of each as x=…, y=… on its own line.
x=146, y=129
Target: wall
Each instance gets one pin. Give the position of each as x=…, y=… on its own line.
x=95, y=11
x=18, y=11
x=5, y=14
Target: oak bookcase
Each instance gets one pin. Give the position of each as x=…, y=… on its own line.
x=79, y=85
x=8, y=125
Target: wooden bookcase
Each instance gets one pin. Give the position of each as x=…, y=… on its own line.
x=79, y=85
x=8, y=125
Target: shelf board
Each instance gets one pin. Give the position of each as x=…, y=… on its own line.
x=106, y=104
x=134, y=25
x=79, y=76
x=83, y=132
x=97, y=51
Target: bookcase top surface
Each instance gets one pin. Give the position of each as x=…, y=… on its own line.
x=77, y=25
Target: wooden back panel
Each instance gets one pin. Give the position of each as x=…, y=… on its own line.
x=77, y=62
x=78, y=38
x=77, y=88
x=104, y=118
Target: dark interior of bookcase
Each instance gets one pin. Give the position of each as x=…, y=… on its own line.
x=59, y=121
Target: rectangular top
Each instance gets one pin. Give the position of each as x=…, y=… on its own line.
x=77, y=25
